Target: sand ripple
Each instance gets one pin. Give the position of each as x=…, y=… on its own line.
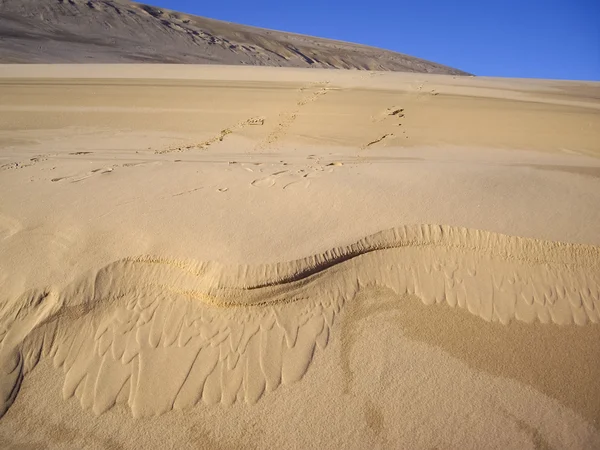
x=158, y=334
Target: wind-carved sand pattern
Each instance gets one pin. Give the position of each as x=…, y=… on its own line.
x=308, y=94
x=157, y=334
x=219, y=137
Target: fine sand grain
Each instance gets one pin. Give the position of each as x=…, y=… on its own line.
x=235, y=257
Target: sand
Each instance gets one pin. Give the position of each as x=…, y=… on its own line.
x=215, y=257
x=121, y=31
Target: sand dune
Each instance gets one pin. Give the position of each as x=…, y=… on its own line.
x=120, y=31
x=199, y=252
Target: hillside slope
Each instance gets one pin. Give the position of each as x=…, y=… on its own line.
x=119, y=31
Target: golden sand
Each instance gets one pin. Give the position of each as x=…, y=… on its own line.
x=248, y=257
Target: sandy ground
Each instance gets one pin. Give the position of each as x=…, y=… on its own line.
x=236, y=257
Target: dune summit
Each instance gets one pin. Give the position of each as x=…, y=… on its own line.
x=101, y=31
x=207, y=256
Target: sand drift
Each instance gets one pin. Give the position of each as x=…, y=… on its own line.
x=159, y=334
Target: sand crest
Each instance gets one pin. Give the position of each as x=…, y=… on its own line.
x=233, y=333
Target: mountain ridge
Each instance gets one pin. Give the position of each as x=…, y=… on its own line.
x=120, y=31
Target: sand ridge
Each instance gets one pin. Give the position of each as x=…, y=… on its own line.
x=238, y=332
x=144, y=33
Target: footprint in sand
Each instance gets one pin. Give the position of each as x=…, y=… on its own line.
x=300, y=178
x=300, y=184
x=219, y=137
x=105, y=170
x=394, y=115
x=89, y=174
x=264, y=182
x=311, y=175
x=249, y=169
x=23, y=164
x=378, y=140
x=268, y=181
x=396, y=111
x=77, y=178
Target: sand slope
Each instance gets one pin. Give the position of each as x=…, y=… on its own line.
x=226, y=334
x=158, y=288
x=119, y=31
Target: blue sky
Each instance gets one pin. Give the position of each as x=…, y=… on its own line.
x=525, y=38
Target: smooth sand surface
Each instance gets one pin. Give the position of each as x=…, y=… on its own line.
x=236, y=257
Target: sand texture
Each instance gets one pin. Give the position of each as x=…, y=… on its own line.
x=216, y=257
x=120, y=31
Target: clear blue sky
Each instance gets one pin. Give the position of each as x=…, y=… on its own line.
x=509, y=38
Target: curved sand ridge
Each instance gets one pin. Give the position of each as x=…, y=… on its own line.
x=158, y=334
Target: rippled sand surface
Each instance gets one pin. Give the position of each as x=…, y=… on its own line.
x=215, y=257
